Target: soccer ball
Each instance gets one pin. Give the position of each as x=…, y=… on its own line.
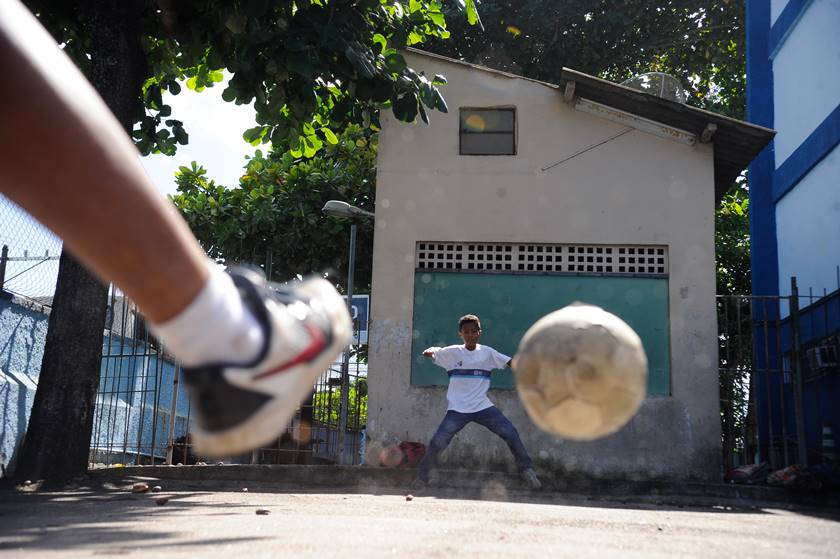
x=581, y=372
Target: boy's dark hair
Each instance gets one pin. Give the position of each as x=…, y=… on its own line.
x=466, y=319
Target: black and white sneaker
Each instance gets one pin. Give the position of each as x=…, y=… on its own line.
x=239, y=407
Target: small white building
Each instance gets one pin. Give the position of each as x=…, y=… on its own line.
x=525, y=197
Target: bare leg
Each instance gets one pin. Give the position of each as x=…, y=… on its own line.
x=67, y=161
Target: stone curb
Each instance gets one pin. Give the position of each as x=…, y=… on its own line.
x=481, y=484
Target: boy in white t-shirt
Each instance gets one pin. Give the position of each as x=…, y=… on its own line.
x=469, y=367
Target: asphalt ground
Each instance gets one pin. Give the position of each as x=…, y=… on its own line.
x=100, y=516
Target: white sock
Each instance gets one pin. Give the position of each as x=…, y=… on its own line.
x=215, y=326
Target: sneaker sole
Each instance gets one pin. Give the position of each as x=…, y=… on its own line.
x=267, y=424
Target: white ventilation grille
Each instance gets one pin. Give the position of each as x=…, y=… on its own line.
x=543, y=258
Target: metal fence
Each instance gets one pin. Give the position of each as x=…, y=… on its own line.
x=777, y=355
x=28, y=255
x=143, y=415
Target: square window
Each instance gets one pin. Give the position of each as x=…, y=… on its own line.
x=487, y=131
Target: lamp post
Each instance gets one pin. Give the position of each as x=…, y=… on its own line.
x=343, y=210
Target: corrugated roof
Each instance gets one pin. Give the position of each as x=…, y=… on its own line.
x=736, y=143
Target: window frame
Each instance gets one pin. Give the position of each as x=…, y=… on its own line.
x=513, y=133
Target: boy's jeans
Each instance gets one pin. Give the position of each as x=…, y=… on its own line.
x=454, y=421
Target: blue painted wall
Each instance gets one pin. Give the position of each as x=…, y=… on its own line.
x=779, y=51
x=22, y=335
x=134, y=400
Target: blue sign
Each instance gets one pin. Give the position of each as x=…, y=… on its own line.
x=360, y=312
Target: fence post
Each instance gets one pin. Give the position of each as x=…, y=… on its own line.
x=4, y=257
x=801, y=442
x=173, y=410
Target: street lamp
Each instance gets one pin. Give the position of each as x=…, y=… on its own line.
x=343, y=210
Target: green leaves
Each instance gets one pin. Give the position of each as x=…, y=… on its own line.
x=314, y=63
x=276, y=207
x=405, y=107
x=255, y=135
x=330, y=137
x=472, y=13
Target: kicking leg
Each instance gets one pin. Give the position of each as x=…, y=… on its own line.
x=250, y=353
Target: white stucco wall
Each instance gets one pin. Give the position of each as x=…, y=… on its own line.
x=636, y=189
x=808, y=229
x=806, y=76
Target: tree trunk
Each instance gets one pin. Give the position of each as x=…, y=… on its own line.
x=57, y=441
x=58, y=437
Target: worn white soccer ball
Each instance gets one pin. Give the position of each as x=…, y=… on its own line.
x=581, y=372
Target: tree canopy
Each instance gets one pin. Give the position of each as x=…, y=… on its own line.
x=702, y=44
x=273, y=219
x=307, y=65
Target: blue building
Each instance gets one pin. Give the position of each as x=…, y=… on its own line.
x=793, y=86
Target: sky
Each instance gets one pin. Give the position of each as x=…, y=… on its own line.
x=215, y=128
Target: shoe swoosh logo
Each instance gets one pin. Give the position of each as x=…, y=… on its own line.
x=319, y=341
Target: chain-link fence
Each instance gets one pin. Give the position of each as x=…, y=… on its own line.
x=143, y=415
x=28, y=255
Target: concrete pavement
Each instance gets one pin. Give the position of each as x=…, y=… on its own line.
x=215, y=518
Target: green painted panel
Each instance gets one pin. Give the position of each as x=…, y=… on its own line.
x=509, y=304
